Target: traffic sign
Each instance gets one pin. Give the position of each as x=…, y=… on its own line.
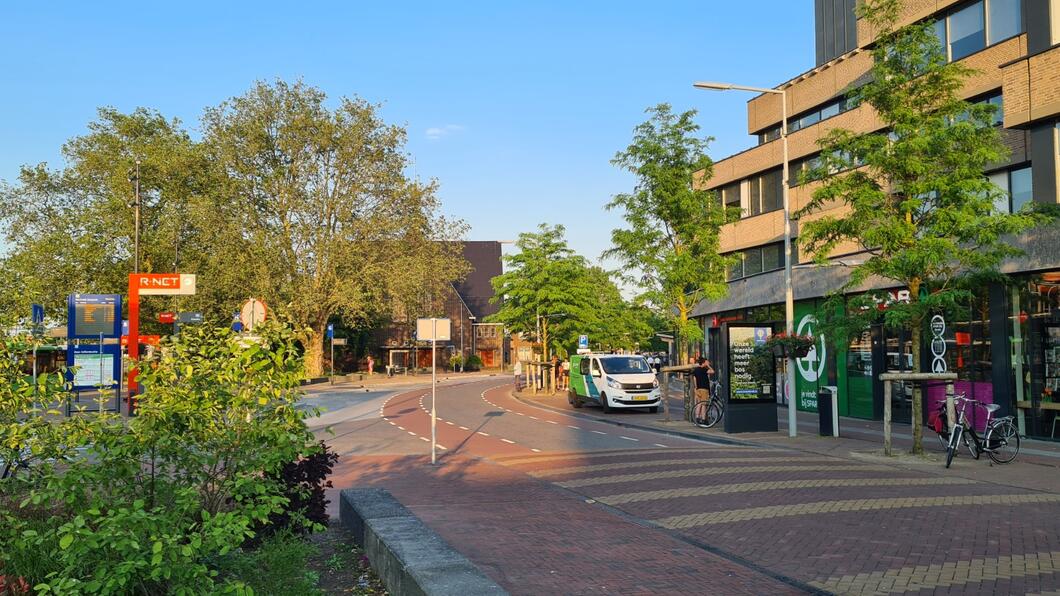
x=189, y=318
x=583, y=342
x=38, y=314
x=331, y=331
x=338, y=341
x=167, y=317
x=253, y=313
x=433, y=329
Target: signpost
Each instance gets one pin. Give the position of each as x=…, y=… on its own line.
x=331, y=336
x=433, y=330
x=150, y=284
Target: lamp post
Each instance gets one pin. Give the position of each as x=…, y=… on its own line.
x=135, y=179
x=789, y=299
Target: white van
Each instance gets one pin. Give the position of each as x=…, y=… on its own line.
x=613, y=381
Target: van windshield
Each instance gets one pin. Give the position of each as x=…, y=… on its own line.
x=625, y=366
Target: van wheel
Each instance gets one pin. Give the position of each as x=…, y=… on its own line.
x=653, y=410
x=603, y=404
x=573, y=399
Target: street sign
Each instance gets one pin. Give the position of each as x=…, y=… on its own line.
x=433, y=329
x=166, y=317
x=189, y=318
x=92, y=315
x=163, y=284
x=338, y=341
x=331, y=331
x=38, y=314
x=253, y=313
x=583, y=342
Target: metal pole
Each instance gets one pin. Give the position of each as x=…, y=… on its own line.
x=333, y=356
x=434, y=391
x=136, y=233
x=789, y=295
x=666, y=395
x=887, y=418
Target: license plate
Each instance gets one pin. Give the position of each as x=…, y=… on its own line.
x=640, y=398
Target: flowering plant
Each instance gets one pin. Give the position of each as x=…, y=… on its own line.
x=794, y=344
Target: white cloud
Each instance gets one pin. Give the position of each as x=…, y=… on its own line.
x=436, y=132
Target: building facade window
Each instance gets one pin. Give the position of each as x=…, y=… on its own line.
x=824, y=112
x=760, y=259
x=1020, y=188
x=769, y=135
x=766, y=192
x=730, y=195
x=977, y=25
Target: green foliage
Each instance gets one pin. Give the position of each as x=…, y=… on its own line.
x=277, y=566
x=914, y=194
x=673, y=225
x=146, y=505
x=283, y=198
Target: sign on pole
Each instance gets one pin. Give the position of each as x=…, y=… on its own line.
x=253, y=313
x=150, y=284
x=434, y=330
x=331, y=331
x=339, y=341
x=37, y=311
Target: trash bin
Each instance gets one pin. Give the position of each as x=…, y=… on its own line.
x=826, y=411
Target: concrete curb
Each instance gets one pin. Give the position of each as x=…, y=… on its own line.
x=644, y=427
x=410, y=557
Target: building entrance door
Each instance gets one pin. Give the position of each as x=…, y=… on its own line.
x=859, y=376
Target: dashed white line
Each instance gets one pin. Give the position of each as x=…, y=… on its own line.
x=464, y=428
x=391, y=423
x=534, y=418
x=520, y=413
x=425, y=439
x=551, y=422
x=482, y=433
x=535, y=450
x=402, y=427
x=449, y=423
x=627, y=438
x=442, y=447
x=660, y=445
x=574, y=427
x=509, y=442
x=598, y=432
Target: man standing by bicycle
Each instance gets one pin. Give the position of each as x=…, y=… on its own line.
x=701, y=377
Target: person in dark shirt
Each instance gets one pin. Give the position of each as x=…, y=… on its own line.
x=701, y=377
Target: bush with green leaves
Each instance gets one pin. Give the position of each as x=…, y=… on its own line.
x=149, y=505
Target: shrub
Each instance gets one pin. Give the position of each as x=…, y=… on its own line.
x=473, y=363
x=304, y=482
x=155, y=500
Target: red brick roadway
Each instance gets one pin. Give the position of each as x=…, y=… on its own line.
x=583, y=507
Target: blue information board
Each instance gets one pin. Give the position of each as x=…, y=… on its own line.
x=91, y=315
x=97, y=365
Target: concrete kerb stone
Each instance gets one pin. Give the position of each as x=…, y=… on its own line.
x=409, y=557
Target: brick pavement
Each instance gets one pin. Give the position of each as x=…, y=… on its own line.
x=533, y=538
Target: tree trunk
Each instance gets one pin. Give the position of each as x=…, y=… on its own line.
x=314, y=353
x=914, y=336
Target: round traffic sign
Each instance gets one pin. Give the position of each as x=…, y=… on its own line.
x=252, y=314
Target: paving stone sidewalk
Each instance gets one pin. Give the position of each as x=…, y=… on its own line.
x=534, y=538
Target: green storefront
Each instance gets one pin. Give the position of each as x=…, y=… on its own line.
x=847, y=367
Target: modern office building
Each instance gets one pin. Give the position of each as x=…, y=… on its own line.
x=1008, y=350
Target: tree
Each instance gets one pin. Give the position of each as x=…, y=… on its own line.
x=329, y=215
x=674, y=225
x=914, y=195
x=546, y=289
x=618, y=323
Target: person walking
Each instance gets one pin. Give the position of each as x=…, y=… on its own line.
x=371, y=365
x=518, y=370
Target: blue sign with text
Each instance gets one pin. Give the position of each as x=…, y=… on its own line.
x=90, y=316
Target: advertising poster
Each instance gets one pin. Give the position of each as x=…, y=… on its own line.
x=742, y=342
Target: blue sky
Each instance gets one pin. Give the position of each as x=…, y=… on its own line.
x=516, y=108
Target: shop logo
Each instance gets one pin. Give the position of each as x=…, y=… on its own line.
x=811, y=367
x=938, y=345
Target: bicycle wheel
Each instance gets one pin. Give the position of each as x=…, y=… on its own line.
x=1003, y=441
x=714, y=412
x=954, y=445
x=701, y=414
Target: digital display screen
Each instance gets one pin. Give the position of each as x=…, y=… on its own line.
x=94, y=314
x=742, y=343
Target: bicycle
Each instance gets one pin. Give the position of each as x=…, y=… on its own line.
x=1000, y=441
x=707, y=412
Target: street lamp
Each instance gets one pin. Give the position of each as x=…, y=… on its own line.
x=789, y=299
x=135, y=179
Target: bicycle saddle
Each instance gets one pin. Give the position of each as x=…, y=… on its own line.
x=991, y=407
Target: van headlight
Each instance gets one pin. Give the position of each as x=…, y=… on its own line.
x=613, y=383
x=655, y=383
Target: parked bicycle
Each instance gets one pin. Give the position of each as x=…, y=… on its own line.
x=707, y=412
x=1000, y=440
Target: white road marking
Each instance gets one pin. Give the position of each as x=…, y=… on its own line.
x=520, y=413
x=598, y=432
x=411, y=433
x=660, y=445
x=442, y=447
x=627, y=438
x=535, y=450
x=551, y=422
x=483, y=434
x=464, y=428
x=449, y=423
x=534, y=418
x=391, y=423
x=574, y=427
x=402, y=427
x=509, y=442
x=424, y=439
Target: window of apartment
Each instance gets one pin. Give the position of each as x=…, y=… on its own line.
x=766, y=192
x=832, y=108
x=1020, y=188
x=999, y=113
x=801, y=165
x=967, y=31
x=1004, y=19
x=978, y=25
x=770, y=135
x=760, y=259
x=730, y=195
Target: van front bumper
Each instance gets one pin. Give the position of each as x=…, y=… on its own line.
x=635, y=400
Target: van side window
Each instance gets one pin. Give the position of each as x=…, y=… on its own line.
x=596, y=366
x=583, y=366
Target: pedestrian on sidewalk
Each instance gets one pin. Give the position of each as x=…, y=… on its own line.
x=518, y=370
x=701, y=378
x=371, y=365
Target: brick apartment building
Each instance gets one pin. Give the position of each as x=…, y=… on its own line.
x=1008, y=352
x=466, y=304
